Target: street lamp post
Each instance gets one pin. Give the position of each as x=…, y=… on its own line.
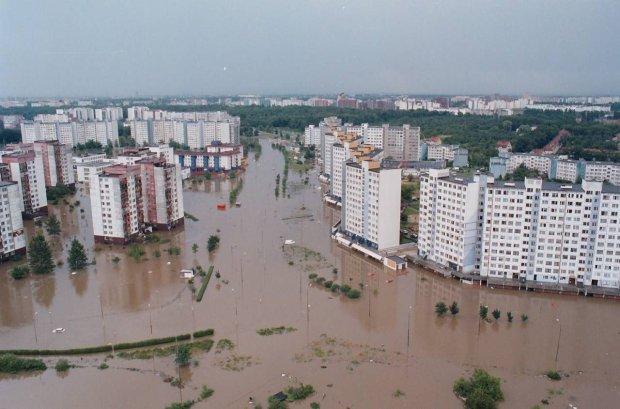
x=557, y=349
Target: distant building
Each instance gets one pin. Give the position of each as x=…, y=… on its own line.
x=70, y=133
x=11, y=121
x=452, y=153
x=556, y=167
x=193, y=133
x=503, y=147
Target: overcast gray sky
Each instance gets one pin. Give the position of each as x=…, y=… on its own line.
x=148, y=47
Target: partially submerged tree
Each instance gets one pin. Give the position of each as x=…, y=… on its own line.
x=40, y=255
x=77, y=256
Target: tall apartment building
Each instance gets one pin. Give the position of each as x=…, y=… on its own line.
x=312, y=135
x=328, y=139
x=194, y=133
x=70, y=133
x=125, y=199
x=371, y=204
x=117, y=204
x=348, y=146
x=12, y=238
x=57, y=162
x=163, y=190
x=532, y=230
x=401, y=142
x=398, y=142
x=26, y=169
x=451, y=219
x=552, y=232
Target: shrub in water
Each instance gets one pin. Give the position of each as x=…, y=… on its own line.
x=62, y=365
x=353, y=294
x=481, y=390
x=441, y=309
x=12, y=364
x=19, y=272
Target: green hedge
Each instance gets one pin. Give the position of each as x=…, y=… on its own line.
x=204, y=333
x=151, y=342
x=103, y=348
x=205, y=282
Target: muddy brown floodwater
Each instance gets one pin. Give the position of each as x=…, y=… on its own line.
x=356, y=353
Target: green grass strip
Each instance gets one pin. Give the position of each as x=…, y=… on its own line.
x=205, y=282
x=107, y=348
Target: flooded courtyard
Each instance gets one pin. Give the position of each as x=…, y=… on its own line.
x=357, y=353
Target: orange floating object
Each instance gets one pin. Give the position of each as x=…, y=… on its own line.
x=221, y=206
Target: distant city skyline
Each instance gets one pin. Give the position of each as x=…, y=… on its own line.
x=199, y=48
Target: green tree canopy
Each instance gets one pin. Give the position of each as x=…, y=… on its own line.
x=40, y=255
x=77, y=256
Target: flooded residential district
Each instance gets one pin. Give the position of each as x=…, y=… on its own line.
x=276, y=324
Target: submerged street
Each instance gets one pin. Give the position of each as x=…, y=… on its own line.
x=355, y=352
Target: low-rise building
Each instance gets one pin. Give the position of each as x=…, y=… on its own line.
x=216, y=157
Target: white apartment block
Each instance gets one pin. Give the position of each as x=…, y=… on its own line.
x=540, y=163
x=533, y=230
x=194, y=133
x=341, y=152
x=602, y=171
x=84, y=171
x=12, y=238
x=552, y=233
x=82, y=159
x=326, y=151
x=398, y=142
x=70, y=133
x=117, y=204
x=371, y=204
x=566, y=169
x=557, y=167
x=26, y=169
x=441, y=152
x=312, y=135
x=348, y=146
x=451, y=219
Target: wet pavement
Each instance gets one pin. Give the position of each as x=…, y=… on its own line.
x=356, y=353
